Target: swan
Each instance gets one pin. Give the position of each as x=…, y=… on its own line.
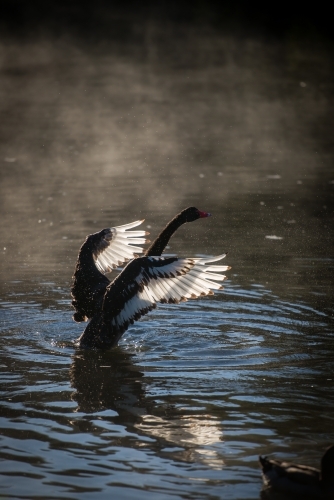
x=112, y=247
x=300, y=480
x=112, y=306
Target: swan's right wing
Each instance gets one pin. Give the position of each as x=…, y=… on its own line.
x=116, y=246
x=143, y=283
x=175, y=280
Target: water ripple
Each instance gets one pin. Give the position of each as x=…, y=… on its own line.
x=191, y=396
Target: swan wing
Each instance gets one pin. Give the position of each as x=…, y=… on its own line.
x=147, y=281
x=117, y=245
x=142, y=284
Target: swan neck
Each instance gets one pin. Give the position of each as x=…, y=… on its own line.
x=160, y=243
x=86, y=260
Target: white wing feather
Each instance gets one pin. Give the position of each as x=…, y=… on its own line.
x=174, y=282
x=117, y=246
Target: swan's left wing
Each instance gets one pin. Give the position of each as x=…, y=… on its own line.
x=143, y=283
x=116, y=246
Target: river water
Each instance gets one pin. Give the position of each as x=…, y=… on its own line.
x=101, y=134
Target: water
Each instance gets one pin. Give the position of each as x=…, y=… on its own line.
x=102, y=135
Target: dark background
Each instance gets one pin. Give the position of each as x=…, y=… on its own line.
x=103, y=19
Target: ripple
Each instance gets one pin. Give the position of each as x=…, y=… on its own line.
x=191, y=396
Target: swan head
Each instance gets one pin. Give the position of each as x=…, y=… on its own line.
x=192, y=213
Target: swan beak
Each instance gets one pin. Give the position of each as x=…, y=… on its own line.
x=204, y=214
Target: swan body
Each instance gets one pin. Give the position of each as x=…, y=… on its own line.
x=145, y=281
x=301, y=481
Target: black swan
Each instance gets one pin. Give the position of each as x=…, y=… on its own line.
x=113, y=306
x=300, y=480
x=110, y=248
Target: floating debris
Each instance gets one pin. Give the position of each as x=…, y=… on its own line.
x=274, y=237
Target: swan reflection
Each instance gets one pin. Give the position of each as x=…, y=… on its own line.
x=110, y=380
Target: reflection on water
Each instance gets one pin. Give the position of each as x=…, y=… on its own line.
x=107, y=133
x=189, y=399
x=107, y=380
x=118, y=386
x=193, y=436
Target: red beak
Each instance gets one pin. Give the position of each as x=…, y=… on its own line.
x=204, y=214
